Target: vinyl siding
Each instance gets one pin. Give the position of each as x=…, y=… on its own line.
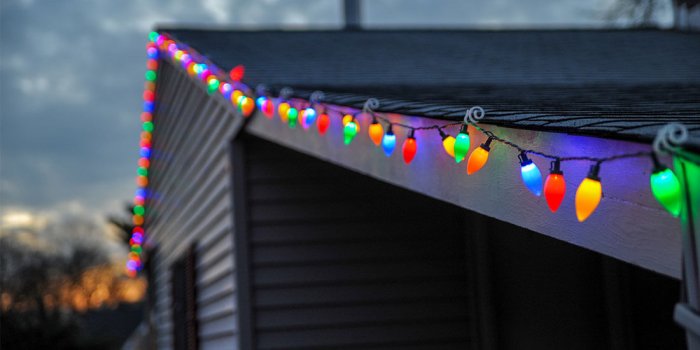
x=331, y=269
x=190, y=203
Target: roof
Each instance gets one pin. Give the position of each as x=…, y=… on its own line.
x=619, y=84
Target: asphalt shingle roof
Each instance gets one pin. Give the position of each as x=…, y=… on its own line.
x=620, y=84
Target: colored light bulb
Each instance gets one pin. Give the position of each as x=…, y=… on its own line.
x=588, y=194
x=236, y=95
x=462, y=143
x=205, y=74
x=348, y=118
x=376, y=132
x=389, y=142
x=149, y=95
x=292, y=117
x=149, y=106
x=192, y=69
x=212, y=85
x=151, y=75
x=323, y=123
x=237, y=73
x=309, y=117
x=246, y=105
x=226, y=90
x=139, y=210
x=531, y=174
x=141, y=181
x=268, y=108
x=350, y=131
x=666, y=188
x=410, y=146
x=282, y=110
x=152, y=64
x=152, y=53
x=554, y=186
x=479, y=157
x=148, y=126
x=448, y=143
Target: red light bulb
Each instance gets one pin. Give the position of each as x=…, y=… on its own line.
x=554, y=186
x=237, y=73
x=323, y=123
x=268, y=108
x=410, y=146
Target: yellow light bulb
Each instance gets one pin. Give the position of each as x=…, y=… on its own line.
x=282, y=110
x=449, y=144
x=348, y=118
x=588, y=195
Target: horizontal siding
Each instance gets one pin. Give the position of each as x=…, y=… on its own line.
x=330, y=269
x=190, y=202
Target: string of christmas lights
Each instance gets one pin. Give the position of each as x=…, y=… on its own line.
x=134, y=262
x=311, y=112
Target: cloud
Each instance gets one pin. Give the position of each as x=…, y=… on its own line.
x=72, y=73
x=218, y=10
x=58, y=229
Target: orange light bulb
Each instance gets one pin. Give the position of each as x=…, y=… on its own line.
x=479, y=157
x=246, y=105
x=376, y=132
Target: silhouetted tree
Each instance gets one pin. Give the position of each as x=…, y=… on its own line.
x=124, y=224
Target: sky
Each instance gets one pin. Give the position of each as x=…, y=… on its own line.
x=71, y=78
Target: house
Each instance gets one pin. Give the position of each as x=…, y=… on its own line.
x=267, y=228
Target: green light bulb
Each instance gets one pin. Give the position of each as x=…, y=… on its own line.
x=139, y=210
x=213, y=85
x=350, y=131
x=150, y=75
x=142, y=171
x=667, y=189
x=153, y=36
x=292, y=117
x=461, y=144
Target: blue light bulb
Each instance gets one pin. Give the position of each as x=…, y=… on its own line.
x=259, y=101
x=389, y=142
x=152, y=53
x=531, y=174
x=310, y=116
